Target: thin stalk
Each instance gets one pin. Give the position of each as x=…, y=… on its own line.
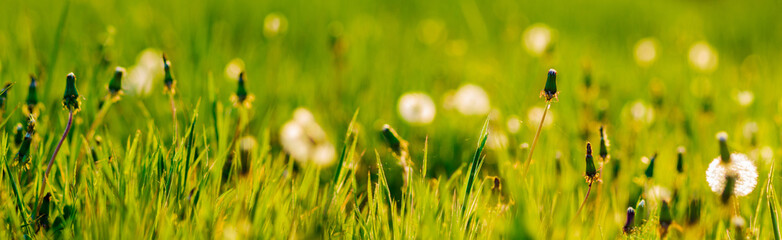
x=51, y=161
x=585, y=200
x=535, y=140
x=173, y=116
x=99, y=118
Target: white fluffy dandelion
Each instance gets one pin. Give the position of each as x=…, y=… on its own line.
x=745, y=98
x=305, y=141
x=645, y=51
x=741, y=166
x=703, y=57
x=471, y=100
x=514, y=124
x=537, y=38
x=416, y=108
x=148, y=69
x=274, y=24
x=234, y=68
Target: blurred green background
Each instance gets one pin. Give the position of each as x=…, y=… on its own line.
x=334, y=57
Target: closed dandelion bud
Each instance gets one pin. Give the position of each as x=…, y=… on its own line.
x=18, y=134
x=640, y=212
x=242, y=98
x=591, y=171
x=558, y=163
x=603, y=143
x=32, y=94
x=24, y=150
x=680, y=160
x=115, y=85
x=392, y=139
x=496, y=187
x=730, y=184
x=4, y=95
x=665, y=218
x=168, y=80
x=722, y=137
x=650, y=169
x=70, y=99
x=738, y=226
x=550, y=90
x=694, y=211
x=630, y=219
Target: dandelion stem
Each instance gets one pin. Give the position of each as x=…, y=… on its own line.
x=99, y=118
x=51, y=161
x=585, y=200
x=535, y=140
x=173, y=116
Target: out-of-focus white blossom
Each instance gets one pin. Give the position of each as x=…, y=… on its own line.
x=703, y=57
x=741, y=166
x=535, y=114
x=470, y=100
x=645, y=51
x=234, y=68
x=416, y=108
x=537, y=38
x=305, y=141
x=143, y=75
x=274, y=24
x=642, y=112
x=745, y=98
x=514, y=124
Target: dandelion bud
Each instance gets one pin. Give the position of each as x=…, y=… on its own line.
x=603, y=143
x=115, y=85
x=738, y=226
x=591, y=171
x=4, y=95
x=640, y=212
x=496, y=187
x=32, y=95
x=630, y=219
x=18, y=134
x=680, y=160
x=730, y=185
x=70, y=99
x=393, y=139
x=724, y=153
x=168, y=80
x=665, y=218
x=241, y=98
x=24, y=149
x=650, y=169
x=694, y=211
x=558, y=163
x=550, y=90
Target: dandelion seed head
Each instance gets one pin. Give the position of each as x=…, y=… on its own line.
x=416, y=108
x=274, y=24
x=741, y=166
x=703, y=57
x=745, y=98
x=305, y=141
x=513, y=124
x=645, y=51
x=471, y=100
x=234, y=68
x=537, y=38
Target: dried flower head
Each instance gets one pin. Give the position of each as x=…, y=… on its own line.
x=241, y=98
x=550, y=90
x=70, y=99
x=628, y=228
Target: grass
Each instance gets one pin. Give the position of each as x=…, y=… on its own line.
x=196, y=165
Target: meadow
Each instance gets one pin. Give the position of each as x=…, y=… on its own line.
x=463, y=119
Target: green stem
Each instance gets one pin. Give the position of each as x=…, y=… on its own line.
x=585, y=200
x=51, y=161
x=535, y=140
